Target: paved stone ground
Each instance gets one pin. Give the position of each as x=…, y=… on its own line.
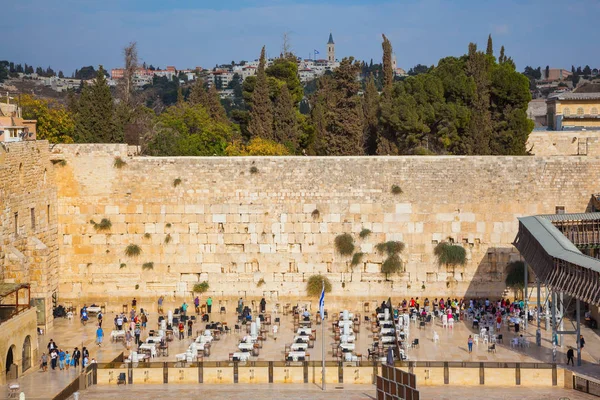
x=451, y=347
x=301, y=392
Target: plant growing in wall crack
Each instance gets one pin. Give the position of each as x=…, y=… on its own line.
x=397, y=189
x=147, y=235
x=356, y=259
x=168, y=238
x=392, y=264
x=123, y=265
x=314, y=285
x=315, y=214
x=253, y=170
x=344, y=244
x=176, y=182
x=103, y=225
x=133, y=250
x=119, y=163
x=148, y=265
x=515, y=277
x=450, y=255
x=364, y=233
x=201, y=287
x=260, y=282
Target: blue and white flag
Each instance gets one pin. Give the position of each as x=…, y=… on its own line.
x=317, y=52
x=322, y=304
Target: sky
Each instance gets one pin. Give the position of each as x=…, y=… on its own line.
x=69, y=34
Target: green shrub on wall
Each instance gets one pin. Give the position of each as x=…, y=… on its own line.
x=450, y=254
x=133, y=250
x=103, y=225
x=344, y=244
x=314, y=285
x=201, y=287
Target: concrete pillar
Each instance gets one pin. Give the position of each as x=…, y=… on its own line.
x=562, y=318
x=525, y=300
x=578, y=309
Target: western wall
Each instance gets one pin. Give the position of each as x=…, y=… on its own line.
x=260, y=226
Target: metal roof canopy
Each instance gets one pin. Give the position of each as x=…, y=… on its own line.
x=555, y=259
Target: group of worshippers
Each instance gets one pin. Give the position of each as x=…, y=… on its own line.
x=62, y=359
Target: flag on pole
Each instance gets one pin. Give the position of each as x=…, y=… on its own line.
x=317, y=52
x=322, y=303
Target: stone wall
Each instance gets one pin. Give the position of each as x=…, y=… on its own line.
x=28, y=220
x=264, y=233
x=564, y=143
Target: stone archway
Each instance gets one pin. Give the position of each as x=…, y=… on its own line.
x=26, y=356
x=11, y=372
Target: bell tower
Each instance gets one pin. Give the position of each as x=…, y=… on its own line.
x=331, y=49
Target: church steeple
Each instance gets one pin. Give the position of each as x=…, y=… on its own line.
x=331, y=49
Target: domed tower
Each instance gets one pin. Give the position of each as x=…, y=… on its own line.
x=331, y=49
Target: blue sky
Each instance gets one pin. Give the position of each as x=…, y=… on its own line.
x=68, y=34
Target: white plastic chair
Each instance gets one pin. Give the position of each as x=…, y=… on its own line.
x=444, y=321
x=436, y=337
x=476, y=339
x=451, y=323
x=485, y=339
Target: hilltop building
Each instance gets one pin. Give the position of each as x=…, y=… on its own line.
x=567, y=111
x=13, y=128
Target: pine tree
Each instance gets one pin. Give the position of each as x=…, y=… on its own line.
x=94, y=122
x=285, y=123
x=198, y=93
x=502, y=57
x=370, y=109
x=261, y=115
x=388, y=72
x=479, y=130
x=490, y=47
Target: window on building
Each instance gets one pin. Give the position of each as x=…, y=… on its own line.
x=13, y=133
x=566, y=111
x=16, y=224
x=32, y=211
x=594, y=111
x=560, y=209
x=580, y=111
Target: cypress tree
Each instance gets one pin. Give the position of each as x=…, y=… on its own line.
x=490, y=47
x=261, y=116
x=388, y=72
x=370, y=110
x=94, y=122
x=285, y=123
x=502, y=57
x=214, y=106
x=479, y=130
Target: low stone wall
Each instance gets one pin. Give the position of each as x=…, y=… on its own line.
x=428, y=374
